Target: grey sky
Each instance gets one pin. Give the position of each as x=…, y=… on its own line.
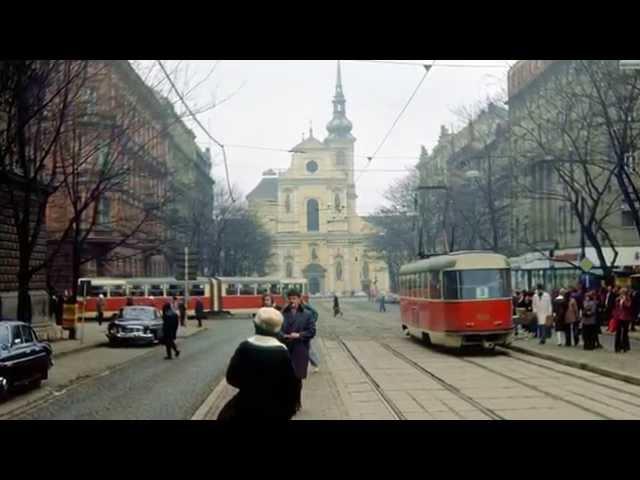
x=279, y=98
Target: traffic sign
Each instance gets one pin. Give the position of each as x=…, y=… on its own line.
x=586, y=264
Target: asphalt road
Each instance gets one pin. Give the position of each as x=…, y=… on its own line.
x=151, y=388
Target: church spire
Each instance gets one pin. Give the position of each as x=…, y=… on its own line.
x=339, y=126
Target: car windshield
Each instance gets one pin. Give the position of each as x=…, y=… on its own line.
x=4, y=335
x=137, y=313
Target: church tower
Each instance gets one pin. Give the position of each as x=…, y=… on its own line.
x=341, y=142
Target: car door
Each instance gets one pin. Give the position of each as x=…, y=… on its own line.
x=17, y=355
x=35, y=357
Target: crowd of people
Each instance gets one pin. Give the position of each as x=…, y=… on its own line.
x=578, y=316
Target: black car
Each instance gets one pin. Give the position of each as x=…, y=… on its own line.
x=137, y=324
x=24, y=360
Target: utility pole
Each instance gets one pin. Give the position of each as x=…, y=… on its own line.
x=582, y=236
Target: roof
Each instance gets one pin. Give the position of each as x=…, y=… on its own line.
x=473, y=260
x=267, y=189
x=309, y=143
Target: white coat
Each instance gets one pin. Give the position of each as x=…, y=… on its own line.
x=542, y=307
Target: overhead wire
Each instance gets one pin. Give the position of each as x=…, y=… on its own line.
x=440, y=65
x=205, y=130
x=427, y=69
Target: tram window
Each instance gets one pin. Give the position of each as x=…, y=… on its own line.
x=477, y=284
x=156, y=291
x=116, y=291
x=424, y=285
x=176, y=290
x=275, y=289
x=434, y=285
x=263, y=288
x=136, y=291
x=231, y=289
x=96, y=290
x=196, y=290
x=248, y=289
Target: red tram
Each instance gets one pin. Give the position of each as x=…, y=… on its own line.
x=458, y=299
x=234, y=295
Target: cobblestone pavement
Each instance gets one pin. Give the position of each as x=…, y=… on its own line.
x=369, y=370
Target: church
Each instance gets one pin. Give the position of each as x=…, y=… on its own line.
x=310, y=210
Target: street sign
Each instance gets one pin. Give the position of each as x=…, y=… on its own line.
x=629, y=64
x=586, y=264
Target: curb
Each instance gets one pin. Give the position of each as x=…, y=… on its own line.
x=207, y=406
x=575, y=364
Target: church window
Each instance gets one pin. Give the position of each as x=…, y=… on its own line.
x=365, y=270
x=289, y=270
x=339, y=270
x=337, y=203
x=287, y=203
x=313, y=216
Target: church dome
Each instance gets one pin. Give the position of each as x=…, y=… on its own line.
x=339, y=126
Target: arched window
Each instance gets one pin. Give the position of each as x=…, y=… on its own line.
x=336, y=202
x=313, y=216
x=365, y=270
x=287, y=203
x=339, y=270
x=289, y=270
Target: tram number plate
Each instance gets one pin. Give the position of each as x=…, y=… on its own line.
x=482, y=292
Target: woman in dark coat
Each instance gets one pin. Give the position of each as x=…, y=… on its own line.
x=589, y=321
x=623, y=314
x=262, y=371
x=560, y=305
x=336, y=306
x=297, y=331
x=169, y=330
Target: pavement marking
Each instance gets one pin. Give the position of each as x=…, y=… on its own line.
x=207, y=405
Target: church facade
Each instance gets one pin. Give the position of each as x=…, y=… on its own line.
x=310, y=209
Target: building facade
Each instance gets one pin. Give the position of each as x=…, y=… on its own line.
x=310, y=209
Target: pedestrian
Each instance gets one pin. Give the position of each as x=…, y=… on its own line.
x=622, y=318
x=262, y=371
x=560, y=304
x=182, y=309
x=635, y=308
x=199, y=311
x=267, y=301
x=314, y=360
x=336, y=306
x=589, y=321
x=297, y=331
x=100, y=309
x=169, y=330
x=572, y=319
x=382, y=307
x=542, y=308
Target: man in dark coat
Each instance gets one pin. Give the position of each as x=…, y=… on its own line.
x=297, y=331
x=182, y=308
x=199, y=311
x=169, y=330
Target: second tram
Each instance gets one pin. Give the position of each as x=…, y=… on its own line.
x=458, y=299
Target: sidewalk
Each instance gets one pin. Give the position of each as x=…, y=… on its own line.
x=95, y=337
x=621, y=366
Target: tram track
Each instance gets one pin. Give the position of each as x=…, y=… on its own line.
x=391, y=405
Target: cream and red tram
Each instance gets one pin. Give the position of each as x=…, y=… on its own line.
x=458, y=299
x=234, y=295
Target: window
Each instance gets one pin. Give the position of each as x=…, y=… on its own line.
x=96, y=290
x=27, y=334
x=175, y=289
x=313, y=216
x=104, y=211
x=196, y=290
x=435, y=291
x=275, y=289
x=4, y=335
x=156, y=291
x=336, y=202
x=477, y=284
x=312, y=166
x=263, y=288
x=627, y=219
x=231, y=290
x=248, y=289
x=365, y=270
x=572, y=223
x=136, y=291
x=287, y=203
x=117, y=291
x=16, y=335
x=339, y=270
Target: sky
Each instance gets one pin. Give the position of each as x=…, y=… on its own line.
x=271, y=103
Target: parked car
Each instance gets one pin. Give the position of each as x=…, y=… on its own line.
x=138, y=325
x=392, y=298
x=24, y=359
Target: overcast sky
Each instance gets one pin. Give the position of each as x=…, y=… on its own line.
x=275, y=100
